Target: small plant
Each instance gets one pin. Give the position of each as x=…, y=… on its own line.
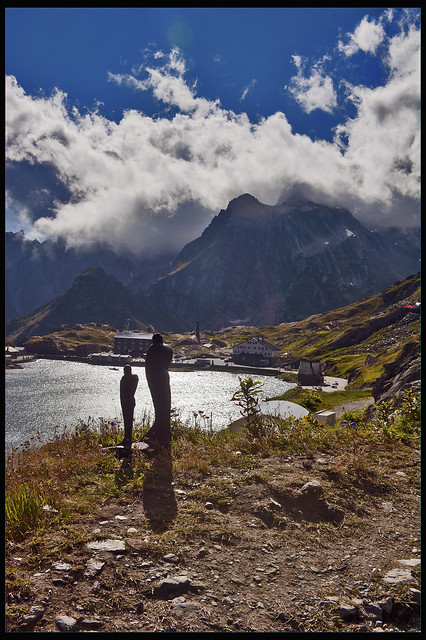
x=246, y=398
x=311, y=400
x=353, y=424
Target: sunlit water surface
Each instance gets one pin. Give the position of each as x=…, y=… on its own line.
x=45, y=394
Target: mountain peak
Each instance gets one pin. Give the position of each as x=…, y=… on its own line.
x=245, y=198
x=244, y=204
x=92, y=272
x=270, y=264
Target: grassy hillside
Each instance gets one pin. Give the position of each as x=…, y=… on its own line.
x=355, y=341
x=77, y=339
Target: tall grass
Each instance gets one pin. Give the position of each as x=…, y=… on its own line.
x=23, y=510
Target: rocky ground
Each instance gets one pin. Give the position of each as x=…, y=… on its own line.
x=285, y=544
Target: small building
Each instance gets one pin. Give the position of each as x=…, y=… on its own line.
x=256, y=352
x=310, y=374
x=132, y=343
x=109, y=358
x=12, y=352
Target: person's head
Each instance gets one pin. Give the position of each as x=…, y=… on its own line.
x=157, y=339
x=127, y=370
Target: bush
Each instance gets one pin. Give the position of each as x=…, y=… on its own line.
x=246, y=397
x=311, y=400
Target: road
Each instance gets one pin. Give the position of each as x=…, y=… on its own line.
x=330, y=383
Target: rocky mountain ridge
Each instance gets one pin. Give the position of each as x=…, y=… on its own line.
x=38, y=272
x=253, y=265
x=262, y=265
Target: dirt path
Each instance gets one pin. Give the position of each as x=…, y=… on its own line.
x=241, y=549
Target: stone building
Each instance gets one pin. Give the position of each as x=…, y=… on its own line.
x=310, y=374
x=134, y=344
x=256, y=352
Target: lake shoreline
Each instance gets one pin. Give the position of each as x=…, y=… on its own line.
x=175, y=366
x=51, y=393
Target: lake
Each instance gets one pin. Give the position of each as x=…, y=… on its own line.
x=45, y=394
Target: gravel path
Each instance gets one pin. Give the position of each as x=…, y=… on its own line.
x=354, y=405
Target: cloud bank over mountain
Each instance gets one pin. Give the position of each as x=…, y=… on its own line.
x=152, y=183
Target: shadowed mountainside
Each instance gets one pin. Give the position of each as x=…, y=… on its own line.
x=93, y=297
x=261, y=265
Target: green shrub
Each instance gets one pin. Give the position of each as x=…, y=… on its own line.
x=246, y=397
x=311, y=400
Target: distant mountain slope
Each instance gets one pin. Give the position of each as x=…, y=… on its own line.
x=263, y=265
x=253, y=265
x=93, y=297
x=36, y=272
x=375, y=343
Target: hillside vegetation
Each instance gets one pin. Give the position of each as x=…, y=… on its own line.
x=74, y=340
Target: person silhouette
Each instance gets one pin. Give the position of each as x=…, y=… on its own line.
x=128, y=386
x=157, y=362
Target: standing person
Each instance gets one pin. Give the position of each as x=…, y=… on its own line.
x=128, y=386
x=157, y=362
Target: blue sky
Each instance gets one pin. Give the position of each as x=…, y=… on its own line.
x=122, y=124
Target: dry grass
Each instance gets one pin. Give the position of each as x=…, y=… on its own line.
x=53, y=483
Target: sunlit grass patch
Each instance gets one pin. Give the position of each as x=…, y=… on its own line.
x=23, y=510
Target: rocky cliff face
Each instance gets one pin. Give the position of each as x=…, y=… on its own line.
x=400, y=374
x=264, y=265
x=93, y=297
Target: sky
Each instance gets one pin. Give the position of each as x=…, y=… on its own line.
x=134, y=127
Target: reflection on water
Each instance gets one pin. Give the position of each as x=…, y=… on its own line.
x=49, y=393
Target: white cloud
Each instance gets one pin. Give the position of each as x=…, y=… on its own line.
x=313, y=92
x=366, y=37
x=404, y=54
x=248, y=88
x=168, y=84
x=384, y=138
x=130, y=181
